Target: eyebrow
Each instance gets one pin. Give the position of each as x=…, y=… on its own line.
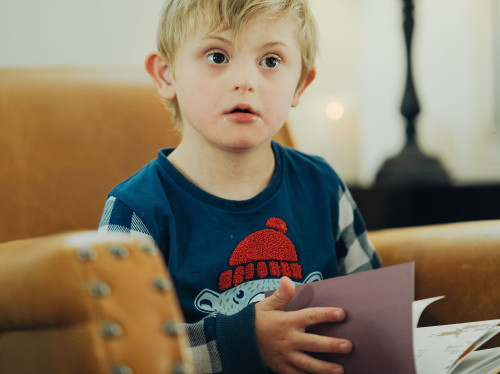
x=275, y=44
x=216, y=37
x=227, y=41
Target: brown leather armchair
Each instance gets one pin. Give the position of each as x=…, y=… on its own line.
x=458, y=260
x=66, y=138
x=88, y=303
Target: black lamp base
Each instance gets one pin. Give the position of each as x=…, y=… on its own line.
x=412, y=167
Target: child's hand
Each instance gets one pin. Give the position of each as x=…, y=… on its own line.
x=282, y=338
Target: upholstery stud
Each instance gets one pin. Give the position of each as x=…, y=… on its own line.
x=119, y=251
x=162, y=284
x=149, y=248
x=99, y=289
x=86, y=254
x=122, y=369
x=181, y=369
x=111, y=330
x=172, y=328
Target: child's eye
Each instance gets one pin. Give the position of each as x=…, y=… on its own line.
x=270, y=62
x=217, y=58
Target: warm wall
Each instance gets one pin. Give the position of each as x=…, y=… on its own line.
x=76, y=32
x=456, y=77
x=363, y=64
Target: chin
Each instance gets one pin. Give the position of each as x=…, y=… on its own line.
x=246, y=144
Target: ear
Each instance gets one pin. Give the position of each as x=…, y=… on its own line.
x=302, y=87
x=161, y=72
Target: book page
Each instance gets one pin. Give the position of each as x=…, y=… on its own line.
x=437, y=348
x=483, y=361
x=418, y=306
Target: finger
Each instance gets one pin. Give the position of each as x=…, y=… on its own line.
x=312, y=316
x=322, y=344
x=281, y=297
x=304, y=362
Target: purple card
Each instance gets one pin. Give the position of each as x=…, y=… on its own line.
x=378, y=304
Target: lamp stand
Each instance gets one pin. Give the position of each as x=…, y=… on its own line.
x=411, y=166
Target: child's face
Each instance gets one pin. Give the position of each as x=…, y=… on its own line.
x=237, y=97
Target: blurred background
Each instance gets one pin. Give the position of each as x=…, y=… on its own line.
x=351, y=113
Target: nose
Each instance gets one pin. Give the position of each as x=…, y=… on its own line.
x=245, y=85
x=245, y=76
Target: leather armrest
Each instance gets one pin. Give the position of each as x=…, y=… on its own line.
x=458, y=260
x=87, y=303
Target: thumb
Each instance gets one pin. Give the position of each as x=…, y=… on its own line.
x=281, y=296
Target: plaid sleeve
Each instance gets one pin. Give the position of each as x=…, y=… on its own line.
x=203, y=346
x=118, y=217
x=355, y=252
x=222, y=343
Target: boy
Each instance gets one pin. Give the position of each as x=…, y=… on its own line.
x=234, y=213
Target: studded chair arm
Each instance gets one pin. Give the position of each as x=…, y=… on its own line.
x=88, y=303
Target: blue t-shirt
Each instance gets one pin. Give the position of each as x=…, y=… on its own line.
x=224, y=254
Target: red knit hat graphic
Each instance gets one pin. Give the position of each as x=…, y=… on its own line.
x=262, y=253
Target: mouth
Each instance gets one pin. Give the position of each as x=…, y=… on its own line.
x=237, y=110
x=242, y=114
x=244, y=109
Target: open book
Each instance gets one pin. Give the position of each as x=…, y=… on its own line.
x=382, y=325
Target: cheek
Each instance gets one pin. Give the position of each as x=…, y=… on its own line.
x=278, y=105
x=194, y=90
x=195, y=102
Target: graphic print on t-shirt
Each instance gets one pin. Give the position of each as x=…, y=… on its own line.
x=264, y=253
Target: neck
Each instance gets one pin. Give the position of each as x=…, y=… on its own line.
x=224, y=173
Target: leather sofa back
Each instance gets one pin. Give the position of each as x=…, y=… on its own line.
x=67, y=136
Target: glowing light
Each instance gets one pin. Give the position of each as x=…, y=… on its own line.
x=335, y=110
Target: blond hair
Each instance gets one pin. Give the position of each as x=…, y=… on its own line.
x=180, y=17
